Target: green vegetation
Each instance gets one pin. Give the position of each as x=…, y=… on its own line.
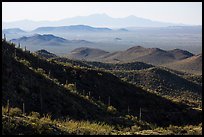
x=34, y=124
x=111, y=109
x=43, y=89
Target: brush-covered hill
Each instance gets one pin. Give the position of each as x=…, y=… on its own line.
x=166, y=83
x=176, y=85
x=65, y=91
x=153, y=56
x=190, y=65
x=86, y=53
x=104, y=66
x=45, y=54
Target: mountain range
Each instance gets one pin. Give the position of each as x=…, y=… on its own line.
x=175, y=59
x=47, y=40
x=97, y=20
x=152, y=78
x=154, y=56
x=72, y=28
x=55, y=96
x=13, y=31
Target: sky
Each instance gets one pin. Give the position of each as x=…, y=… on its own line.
x=174, y=12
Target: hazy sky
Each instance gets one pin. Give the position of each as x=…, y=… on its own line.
x=174, y=12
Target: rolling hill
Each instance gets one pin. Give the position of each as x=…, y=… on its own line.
x=45, y=54
x=86, y=53
x=44, y=86
x=190, y=65
x=153, y=56
x=47, y=40
x=176, y=85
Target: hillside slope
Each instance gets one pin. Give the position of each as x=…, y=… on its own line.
x=153, y=56
x=190, y=65
x=86, y=53
x=183, y=87
x=47, y=40
x=44, y=86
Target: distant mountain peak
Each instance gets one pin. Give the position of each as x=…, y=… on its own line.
x=12, y=31
x=100, y=19
x=70, y=28
x=86, y=52
x=45, y=53
x=135, y=48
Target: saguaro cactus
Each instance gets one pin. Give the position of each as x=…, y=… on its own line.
x=19, y=45
x=109, y=101
x=23, y=108
x=140, y=113
x=41, y=101
x=128, y=110
x=15, y=53
x=49, y=73
x=8, y=111
x=5, y=37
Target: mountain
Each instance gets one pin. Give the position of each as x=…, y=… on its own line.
x=55, y=95
x=190, y=65
x=165, y=83
x=86, y=53
x=72, y=28
x=45, y=87
x=180, y=54
x=175, y=85
x=97, y=20
x=153, y=56
x=45, y=54
x=106, y=66
x=40, y=39
x=47, y=40
x=13, y=31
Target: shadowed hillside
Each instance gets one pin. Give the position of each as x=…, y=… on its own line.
x=86, y=53
x=179, y=86
x=37, y=81
x=190, y=65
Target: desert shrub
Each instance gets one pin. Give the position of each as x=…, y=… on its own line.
x=70, y=87
x=15, y=112
x=25, y=62
x=40, y=71
x=100, y=74
x=177, y=130
x=46, y=118
x=34, y=114
x=111, y=109
x=124, y=79
x=135, y=128
x=4, y=110
x=87, y=128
